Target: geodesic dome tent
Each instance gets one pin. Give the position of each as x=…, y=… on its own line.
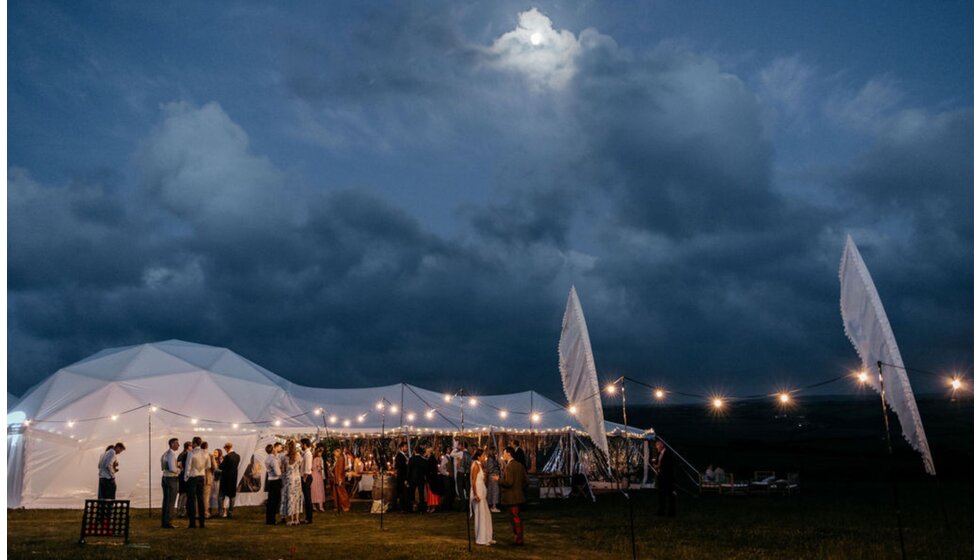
x=144, y=395
x=136, y=395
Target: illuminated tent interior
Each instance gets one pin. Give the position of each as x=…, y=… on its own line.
x=144, y=395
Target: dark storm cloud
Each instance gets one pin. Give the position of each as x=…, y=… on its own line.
x=642, y=175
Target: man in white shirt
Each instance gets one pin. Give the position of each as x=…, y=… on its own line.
x=169, y=480
x=307, y=473
x=107, y=472
x=273, y=484
x=197, y=461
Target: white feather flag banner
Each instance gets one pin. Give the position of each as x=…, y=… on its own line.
x=578, y=372
x=868, y=329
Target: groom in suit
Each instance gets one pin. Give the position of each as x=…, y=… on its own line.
x=512, y=487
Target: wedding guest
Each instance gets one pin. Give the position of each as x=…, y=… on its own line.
x=513, y=484
x=273, y=484
x=168, y=465
x=229, y=481
x=307, y=476
x=196, y=463
x=482, y=522
x=182, y=482
x=446, y=473
x=666, y=500
x=217, y=456
x=463, y=460
x=108, y=467
x=433, y=481
x=317, y=494
x=341, y=500
x=417, y=468
x=492, y=468
x=401, y=477
x=292, y=486
x=519, y=454
x=208, y=480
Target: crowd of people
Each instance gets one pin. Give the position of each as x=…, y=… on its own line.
x=200, y=484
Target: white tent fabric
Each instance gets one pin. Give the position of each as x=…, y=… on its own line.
x=144, y=395
x=871, y=334
x=578, y=372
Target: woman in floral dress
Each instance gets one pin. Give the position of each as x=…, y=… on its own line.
x=318, y=494
x=292, y=484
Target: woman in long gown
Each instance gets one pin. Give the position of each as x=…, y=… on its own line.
x=433, y=482
x=482, y=521
x=317, y=493
x=216, y=456
x=292, y=485
x=340, y=498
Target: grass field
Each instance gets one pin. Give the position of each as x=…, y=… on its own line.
x=852, y=521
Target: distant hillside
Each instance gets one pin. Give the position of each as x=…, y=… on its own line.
x=826, y=437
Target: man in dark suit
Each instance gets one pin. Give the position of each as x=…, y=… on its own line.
x=417, y=468
x=519, y=454
x=664, y=463
x=229, y=481
x=401, y=477
x=513, y=484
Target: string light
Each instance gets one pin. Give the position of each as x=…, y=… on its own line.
x=394, y=409
x=380, y=405
x=71, y=423
x=430, y=414
x=346, y=423
x=659, y=394
x=234, y=426
x=535, y=417
x=317, y=412
x=783, y=398
x=278, y=422
x=360, y=419
x=862, y=377
x=194, y=421
x=572, y=409
x=611, y=389
x=114, y=417
x=717, y=402
x=473, y=401
x=333, y=419
x=153, y=409
x=956, y=383
x=503, y=414
x=447, y=398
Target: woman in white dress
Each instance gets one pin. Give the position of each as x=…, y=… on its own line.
x=292, y=484
x=478, y=500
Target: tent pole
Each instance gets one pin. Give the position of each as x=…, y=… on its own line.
x=462, y=429
x=891, y=461
x=625, y=471
x=149, y=459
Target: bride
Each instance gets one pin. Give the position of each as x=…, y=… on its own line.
x=478, y=501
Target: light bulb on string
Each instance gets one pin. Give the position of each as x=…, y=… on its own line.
x=717, y=403
x=360, y=419
x=783, y=398
x=317, y=412
x=535, y=417
x=278, y=422
x=430, y=414
x=380, y=405
x=346, y=423
x=71, y=423
x=114, y=417
x=659, y=394
x=153, y=409
x=611, y=388
x=332, y=419
x=410, y=416
x=862, y=377
x=503, y=414
x=194, y=421
x=473, y=401
x=572, y=409
x=394, y=409
x=234, y=426
x=956, y=383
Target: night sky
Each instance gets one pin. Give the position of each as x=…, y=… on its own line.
x=362, y=193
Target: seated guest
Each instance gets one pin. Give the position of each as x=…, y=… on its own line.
x=709, y=473
x=719, y=475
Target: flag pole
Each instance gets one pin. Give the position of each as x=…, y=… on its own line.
x=891, y=461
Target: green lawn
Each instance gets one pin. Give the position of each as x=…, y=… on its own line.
x=831, y=521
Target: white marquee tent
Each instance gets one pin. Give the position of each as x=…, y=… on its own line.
x=143, y=395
